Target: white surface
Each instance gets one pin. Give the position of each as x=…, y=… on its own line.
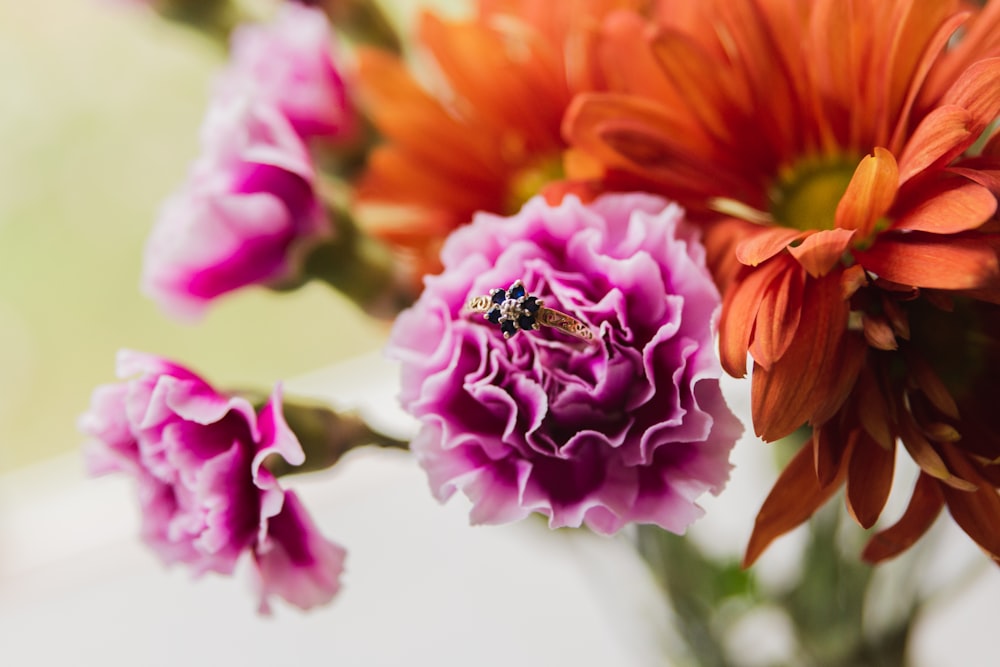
x=422, y=587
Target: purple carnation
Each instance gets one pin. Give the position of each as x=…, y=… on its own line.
x=206, y=497
x=632, y=428
x=289, y=64
x=246, y=216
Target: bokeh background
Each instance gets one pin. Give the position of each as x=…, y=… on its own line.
x=99, y=116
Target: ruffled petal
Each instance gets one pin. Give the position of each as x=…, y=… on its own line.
x=296, y=562
x=628, y=430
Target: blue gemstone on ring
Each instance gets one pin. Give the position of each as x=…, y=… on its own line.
x=513, y=310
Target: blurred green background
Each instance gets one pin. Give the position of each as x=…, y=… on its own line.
x=98, y=122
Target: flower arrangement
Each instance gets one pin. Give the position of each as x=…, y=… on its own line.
x=577, y=215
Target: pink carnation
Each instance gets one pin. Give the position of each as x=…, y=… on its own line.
x=246, y=216
x=633, y=428
x=206, y=497
x=289, y=64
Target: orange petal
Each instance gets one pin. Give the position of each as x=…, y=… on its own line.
x=941, y=432
x=739, y=312
x=836, y=39
x=927, y=457
x=765, y=244
x=932, y=387
x=969, y=106
x=870, y=193
x=829, y=447
x=525, y=92
x=873, y=410
x=922, y=260
x=852, y=279
x=685, y=63
x=896, y=316
x=925, y=504
x=820, y=252
x=399, y=176
x=978, y=91
x=878, y=333
x=950, y=207
x=814, y=372
x=869, y=479
x=600, y=123
x=581, y=166
x=721, y=238
x=416, y=122
x=759, y=43
x=556, y=191
x=839, y=376
x=796, y=495
x=625, y=37
x=929, y=52
x=777, y=320
x=988, y=178
x=655, y=141
x=978, y=513
x=943, y=134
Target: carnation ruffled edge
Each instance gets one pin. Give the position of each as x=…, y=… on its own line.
x=489, y=487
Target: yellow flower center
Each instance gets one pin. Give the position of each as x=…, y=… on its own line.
x=806, y=194
x=529, y=180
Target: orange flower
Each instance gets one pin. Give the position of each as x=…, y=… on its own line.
x=488, y=136
x=826, y=146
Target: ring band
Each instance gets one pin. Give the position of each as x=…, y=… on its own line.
x=515, y=310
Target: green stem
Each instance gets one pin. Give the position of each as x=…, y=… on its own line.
x=362, y=22
x=326, y=436
x=697, y=588
x=213, y=18
x=361, y=269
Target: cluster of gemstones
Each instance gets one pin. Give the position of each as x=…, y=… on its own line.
x=513, y=309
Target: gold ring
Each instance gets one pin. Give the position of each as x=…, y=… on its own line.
x=515, y=310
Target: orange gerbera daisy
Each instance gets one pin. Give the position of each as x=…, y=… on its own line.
x=826, y=145
x=488, y=136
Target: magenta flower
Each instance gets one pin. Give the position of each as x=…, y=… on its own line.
x=206, y=497
x=289, y=64
x=246, y=216
x=632, y=428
